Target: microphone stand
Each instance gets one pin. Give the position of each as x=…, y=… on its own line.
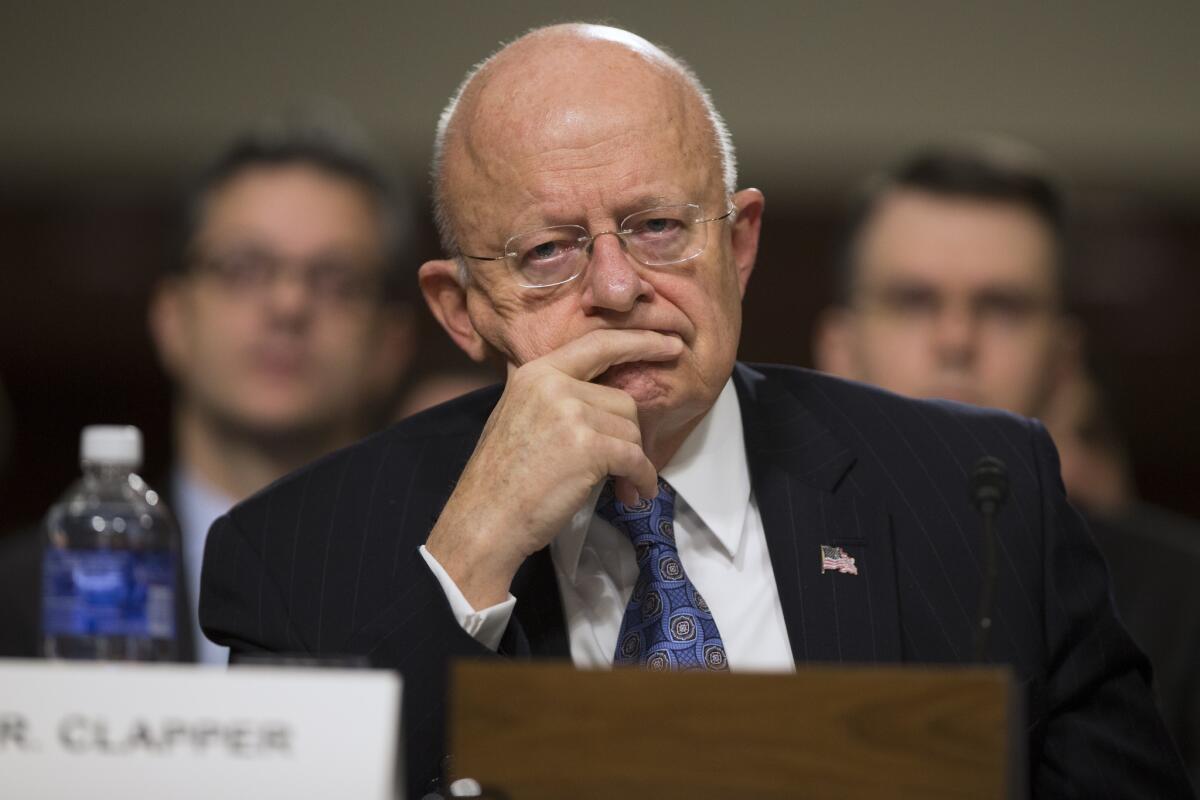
x=988, y=490
x=987, y=589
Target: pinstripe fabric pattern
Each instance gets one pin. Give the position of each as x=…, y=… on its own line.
x=325, y=562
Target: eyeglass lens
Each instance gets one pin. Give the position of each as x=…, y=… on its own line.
x=655, y=237
x=329, y=278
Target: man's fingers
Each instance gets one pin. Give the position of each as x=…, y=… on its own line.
x=626, y=460
x=591, y=354
x=607, y=399
x=625, y=491
x=614, y=425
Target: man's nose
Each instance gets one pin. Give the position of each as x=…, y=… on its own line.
x=613, y=281
x=956, y=334
x=289, y=295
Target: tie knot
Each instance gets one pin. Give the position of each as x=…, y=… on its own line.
x=649, y=516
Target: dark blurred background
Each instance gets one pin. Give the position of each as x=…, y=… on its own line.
x=106, y=109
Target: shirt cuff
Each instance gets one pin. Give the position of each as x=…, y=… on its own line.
x=485, y=626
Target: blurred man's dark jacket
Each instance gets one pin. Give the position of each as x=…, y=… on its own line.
x=1154, y=562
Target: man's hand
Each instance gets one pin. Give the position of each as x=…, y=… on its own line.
x=552, y=437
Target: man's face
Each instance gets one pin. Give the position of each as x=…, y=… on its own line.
x=954, y=298
x=278, y=327
x=592, y=164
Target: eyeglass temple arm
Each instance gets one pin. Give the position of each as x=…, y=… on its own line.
x=732, y=209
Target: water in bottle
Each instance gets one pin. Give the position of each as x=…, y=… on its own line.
x=110, y=559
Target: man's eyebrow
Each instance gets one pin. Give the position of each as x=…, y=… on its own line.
x=549, y=217
x=653, y=201
x=1012, y=296
x=1007, y=290
x=893, y=283
x=535, y=218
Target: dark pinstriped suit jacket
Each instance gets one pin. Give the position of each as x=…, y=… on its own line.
x=325, y=562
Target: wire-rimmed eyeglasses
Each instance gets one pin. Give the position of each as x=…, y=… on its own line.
x=251, y=272
x=656, y=237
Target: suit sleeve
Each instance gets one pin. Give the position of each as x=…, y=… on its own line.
x=241, y=607
x=256, y=610
x=1102, y=736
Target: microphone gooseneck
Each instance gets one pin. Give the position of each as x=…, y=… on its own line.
x=987, y=491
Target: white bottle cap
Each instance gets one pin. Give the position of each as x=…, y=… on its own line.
x=111, y=444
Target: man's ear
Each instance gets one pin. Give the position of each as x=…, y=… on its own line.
x=833, y=345
x=747, y=224
x=447, y=301
x=164, y=319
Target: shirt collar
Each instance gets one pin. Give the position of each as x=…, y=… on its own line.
x=197, y=503
x=709, y=473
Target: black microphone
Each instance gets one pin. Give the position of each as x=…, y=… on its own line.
x=987, y=491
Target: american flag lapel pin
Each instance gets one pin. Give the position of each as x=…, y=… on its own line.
x=836, y=558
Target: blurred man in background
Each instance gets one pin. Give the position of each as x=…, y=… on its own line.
x=283, y=331
x=951, y=285
x=283, y=328
x=1153, y=553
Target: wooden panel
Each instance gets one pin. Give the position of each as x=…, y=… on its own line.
x=550, y=731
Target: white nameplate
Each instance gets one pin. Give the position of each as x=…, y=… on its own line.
x=71, y=730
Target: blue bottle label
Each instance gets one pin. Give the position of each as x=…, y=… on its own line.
x=108, y=593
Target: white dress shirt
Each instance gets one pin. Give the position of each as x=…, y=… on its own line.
x=719, y=533
x=197, y=506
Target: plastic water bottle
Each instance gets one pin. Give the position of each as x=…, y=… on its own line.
x=110, y=559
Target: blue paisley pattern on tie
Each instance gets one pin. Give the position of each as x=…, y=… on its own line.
x=667, y=624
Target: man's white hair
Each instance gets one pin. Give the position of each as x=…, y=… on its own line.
x=441, y=205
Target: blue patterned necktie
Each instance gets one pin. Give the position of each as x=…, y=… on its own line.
x=667, y=624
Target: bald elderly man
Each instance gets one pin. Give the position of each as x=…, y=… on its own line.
x=631, y=495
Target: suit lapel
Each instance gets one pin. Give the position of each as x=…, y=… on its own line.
x=799, y=472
